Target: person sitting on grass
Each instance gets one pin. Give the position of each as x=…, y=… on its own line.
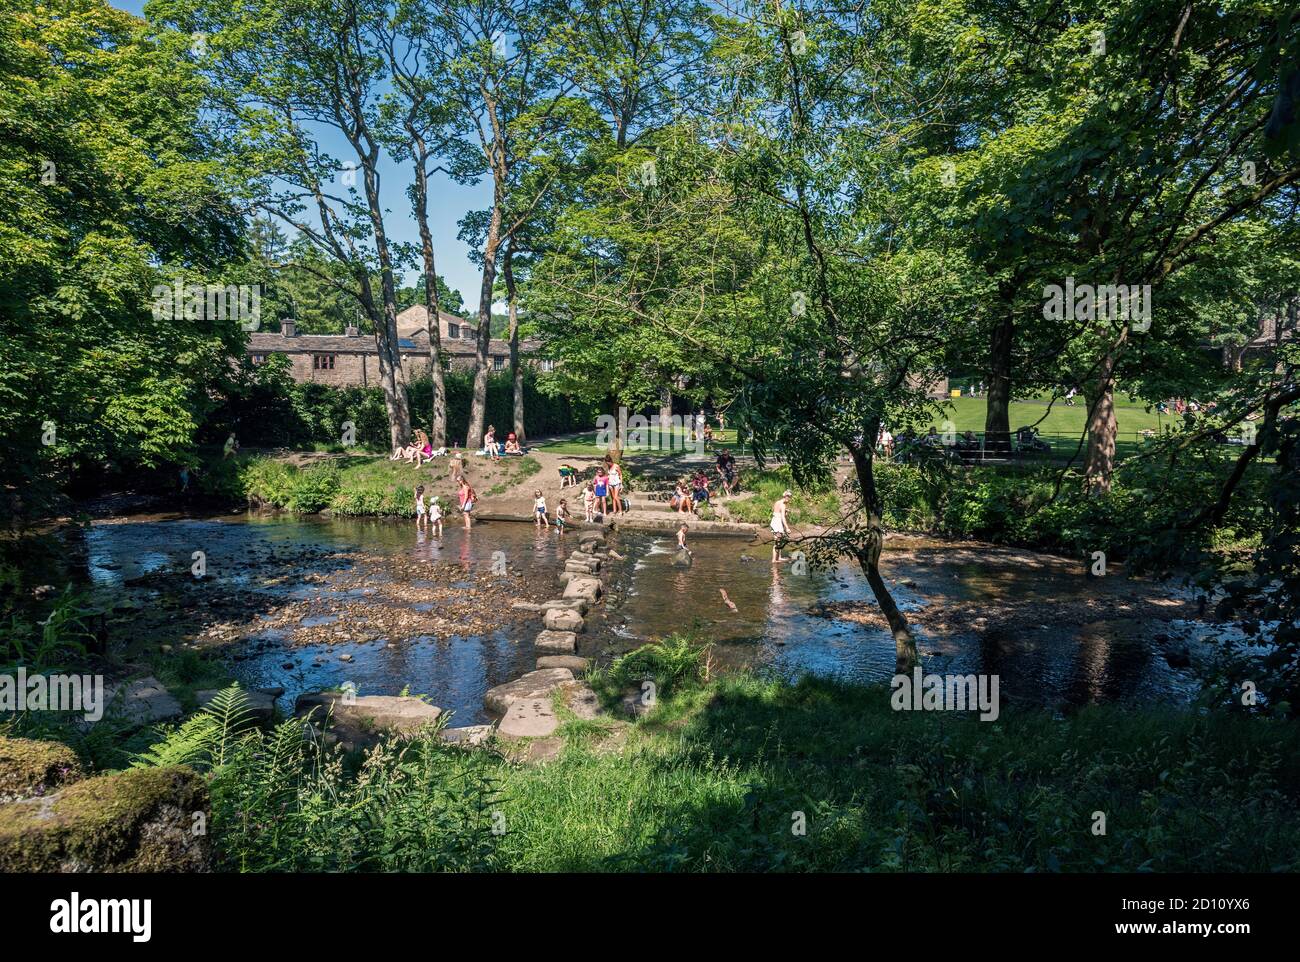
x=490, y=444
x=512, y=444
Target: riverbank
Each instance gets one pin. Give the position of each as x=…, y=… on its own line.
x=736, y=773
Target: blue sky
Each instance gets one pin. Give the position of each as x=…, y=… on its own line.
x=448, y=202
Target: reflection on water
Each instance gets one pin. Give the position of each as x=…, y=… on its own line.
x=1054, y=636
x=1010, y=613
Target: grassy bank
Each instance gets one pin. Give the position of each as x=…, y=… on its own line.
x=356, y=485
x=738, y=773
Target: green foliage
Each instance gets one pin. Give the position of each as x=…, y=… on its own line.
x=105, y=170
x=282, y=803
x=673, y=664
x=51, y=645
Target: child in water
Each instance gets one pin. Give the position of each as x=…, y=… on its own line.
x=435, y=516
x=421, y=510
x=589, y=502
x=539, y=510
x=561, y=516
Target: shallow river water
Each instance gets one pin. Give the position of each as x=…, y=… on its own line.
x=284, y=600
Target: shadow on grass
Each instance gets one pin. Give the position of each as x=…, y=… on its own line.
x=823, y=776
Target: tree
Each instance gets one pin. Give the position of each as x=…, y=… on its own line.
x=282, y=72
x=512, y=105
x=111, y=189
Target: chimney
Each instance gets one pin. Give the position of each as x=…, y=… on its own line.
x=287, y=327
x=351, y=331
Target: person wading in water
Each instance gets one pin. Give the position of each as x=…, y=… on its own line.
x=780, y=527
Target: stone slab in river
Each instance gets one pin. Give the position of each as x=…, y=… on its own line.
x=140, y=702
x=564, y=621
x=574, y=663
x=588, y=589
x=360, y=723
x=567, y=604
x=556, y=642
x=529, y=718
x=535, y=684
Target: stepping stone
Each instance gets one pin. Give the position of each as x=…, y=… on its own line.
x=535, y=684
x=582, y=701
x=581, y=567
x=556, y=642
x=529, y=718
x=567, y=604
x=569, y=621
x=140, y=702
x=584, y=558
x=574, y=663
x=588, y=589
x=470, y=736
x=360, y=722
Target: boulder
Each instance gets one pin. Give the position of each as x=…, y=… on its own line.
x=529, y=718
x=556, y=642
x=588, y=589
x=360, y=722
x=469, y=736
x=260, y=703
x=585, y=558
x=34, y=768
x=139, y=820
x=143, y=701
x=581, y=567
x=574, y=663
x=535, y=684
x=568, y=621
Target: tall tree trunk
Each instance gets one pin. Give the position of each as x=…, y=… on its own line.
x=665, y=409
x=1099, y=461
x=516, y=369
x=997, y=418
x=868, y=555
x=395, y=399
x=478, y=404
x=386, y=343
x=432, y=305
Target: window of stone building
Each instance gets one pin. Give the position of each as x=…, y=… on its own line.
x=258, y=358
x=453, y=330
x=548, y=364
x=498, y=363
x=322, y=362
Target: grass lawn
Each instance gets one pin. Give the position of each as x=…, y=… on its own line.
x=967, y=414
x=584, y=445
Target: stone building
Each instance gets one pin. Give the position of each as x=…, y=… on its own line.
x=352, y=359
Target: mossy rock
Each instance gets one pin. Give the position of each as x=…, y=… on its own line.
x=32, y=768
x=140, y=820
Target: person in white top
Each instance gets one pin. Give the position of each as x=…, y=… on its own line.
x=780, y=527
x=539, y=510
x=615, y=488
x=435, y=516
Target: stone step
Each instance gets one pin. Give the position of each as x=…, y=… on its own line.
x=553, y=642
x=535, y=684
